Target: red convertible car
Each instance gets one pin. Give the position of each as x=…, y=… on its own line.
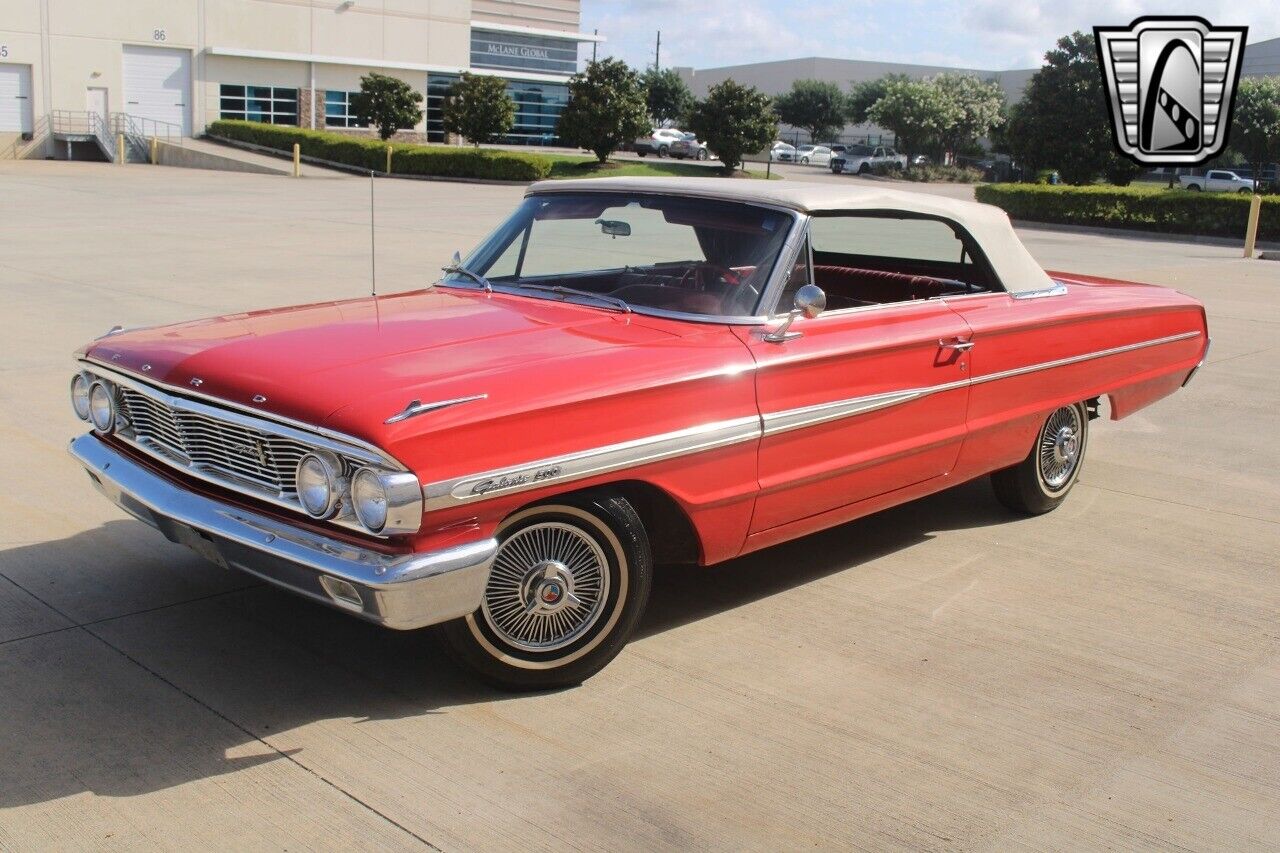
x=626, y=371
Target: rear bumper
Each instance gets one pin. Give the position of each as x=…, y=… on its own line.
x=401, y=591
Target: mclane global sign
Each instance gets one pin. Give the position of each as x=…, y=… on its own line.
x=521, y=52
x=1170, y=83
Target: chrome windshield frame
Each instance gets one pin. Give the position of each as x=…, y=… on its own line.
x=798, y=223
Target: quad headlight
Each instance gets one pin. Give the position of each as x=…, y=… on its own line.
x=386, y=502
x=102, y=406
x=320, y=483
x=80, y=396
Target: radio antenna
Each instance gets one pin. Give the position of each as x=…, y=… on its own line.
x=373, y=246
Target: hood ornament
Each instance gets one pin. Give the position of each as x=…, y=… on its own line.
x=196, y=382
x=417, y=407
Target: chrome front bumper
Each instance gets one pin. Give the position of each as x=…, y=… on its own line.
x=402, y=591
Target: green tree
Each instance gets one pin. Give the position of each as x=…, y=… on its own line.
x=863, y=95
x=478, y=108
x=1255, y=127
x=606, y=108
x=733, y=121
x=1063, y=121
x=977, y=107
x=667, y=95
x=916, y=111
x=388, y=103
x=813, y=105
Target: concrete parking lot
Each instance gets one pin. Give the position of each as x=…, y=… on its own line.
x=940, y=676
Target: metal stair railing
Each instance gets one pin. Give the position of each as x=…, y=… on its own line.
x=82, y=126
x=138, y=132
x=38, y=136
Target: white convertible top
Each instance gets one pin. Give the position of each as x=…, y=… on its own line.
x=988, y=225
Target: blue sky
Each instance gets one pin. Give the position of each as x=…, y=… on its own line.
x=987, y=34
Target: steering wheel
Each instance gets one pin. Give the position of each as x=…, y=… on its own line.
x=719, y=281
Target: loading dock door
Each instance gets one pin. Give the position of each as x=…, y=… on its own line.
x=157, y=85
x=15, y=98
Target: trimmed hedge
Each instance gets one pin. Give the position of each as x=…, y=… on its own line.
x=406, y=159
x=1170, y=211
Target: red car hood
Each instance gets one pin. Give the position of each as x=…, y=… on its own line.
x=311, y=361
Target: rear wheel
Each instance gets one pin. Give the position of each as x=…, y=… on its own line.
x=702, y=154
x=662, y=150
x=863, y=169
x=1195, y=188
x=567, y=587
x=1041, y=482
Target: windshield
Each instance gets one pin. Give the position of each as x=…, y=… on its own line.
x=666, y=253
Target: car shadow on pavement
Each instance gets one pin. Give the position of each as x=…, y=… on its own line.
x=202, y=686
x=683, y=594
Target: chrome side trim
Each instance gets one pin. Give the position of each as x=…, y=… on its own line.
x=784, y=421
x=1075, y=359
x=588, y=463
x=417, y=407
x=244, y=414
x=616, y=457
x=789, y=419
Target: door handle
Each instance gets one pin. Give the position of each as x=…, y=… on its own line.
x=957, y=345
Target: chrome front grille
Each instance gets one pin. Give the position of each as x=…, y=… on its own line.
x=252, y=457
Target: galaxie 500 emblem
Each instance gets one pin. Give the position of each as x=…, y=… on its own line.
x=510, y=481
x=1171, y=83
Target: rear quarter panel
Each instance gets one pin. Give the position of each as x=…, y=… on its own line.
x=1132, y=343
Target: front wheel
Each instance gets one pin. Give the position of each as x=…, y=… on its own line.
x=1041, y=482
x=702, y=154
x=662, y=151
x=568, y=585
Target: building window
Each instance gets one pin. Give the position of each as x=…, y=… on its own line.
x=269, y=104
x=337, y=110
x=538, y=108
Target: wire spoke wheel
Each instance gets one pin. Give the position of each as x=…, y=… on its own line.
x=548, y=586
x=1059, y=447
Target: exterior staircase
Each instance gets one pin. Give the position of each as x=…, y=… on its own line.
x=71, y=126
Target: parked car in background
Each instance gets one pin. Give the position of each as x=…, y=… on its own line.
x=688, y=147
x=628, y=371
x=659, y=142
x=813, y=155
x=782, y=152
x=861, y=159
x=920, y=160
x=1217, y=181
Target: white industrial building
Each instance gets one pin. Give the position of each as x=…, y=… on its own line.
x=174, y=66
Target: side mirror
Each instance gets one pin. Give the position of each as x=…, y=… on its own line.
x=810, y=301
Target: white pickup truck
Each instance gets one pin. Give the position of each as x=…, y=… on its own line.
x=1217, y=181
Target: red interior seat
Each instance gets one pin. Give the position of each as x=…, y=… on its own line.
x=865, y=285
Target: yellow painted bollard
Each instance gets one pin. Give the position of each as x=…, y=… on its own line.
x=155, y=151
x=120, y=152
x=1251, y=233
x=297, y=160
x=388, y=159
